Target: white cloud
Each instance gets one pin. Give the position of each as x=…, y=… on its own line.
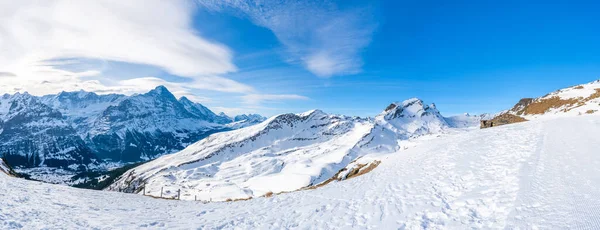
x=326, y=39
x=260, y=98
x=34, y=34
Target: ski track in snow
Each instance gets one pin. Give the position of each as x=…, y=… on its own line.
x=533, y=175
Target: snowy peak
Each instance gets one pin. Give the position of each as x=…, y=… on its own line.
x=161, y=90
x=249, y=117
x=412, y=118
x=411, y=108
x=204, y=113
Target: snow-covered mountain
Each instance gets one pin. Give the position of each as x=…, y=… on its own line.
x=284, y=153
x=577, y=100
x=533, y=175
x=145, y=126
x=75, y=129
x=205, y=113
x=33, y=134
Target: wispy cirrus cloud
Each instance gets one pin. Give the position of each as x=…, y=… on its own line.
x=253, y=99
x=325, y=38
x=33, y=34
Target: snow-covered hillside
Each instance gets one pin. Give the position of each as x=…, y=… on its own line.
x=577, y=100
x=541, y=174
x=288, y=152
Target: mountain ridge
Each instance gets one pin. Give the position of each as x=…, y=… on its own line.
x=285, y=153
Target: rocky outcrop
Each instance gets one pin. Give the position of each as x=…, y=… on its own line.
x=502, y=119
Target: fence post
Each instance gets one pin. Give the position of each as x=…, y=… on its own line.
x=161, y=192
x=179, y=194
x=144, y=190
x=195, y=198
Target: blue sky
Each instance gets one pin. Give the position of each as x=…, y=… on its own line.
x=346, y=57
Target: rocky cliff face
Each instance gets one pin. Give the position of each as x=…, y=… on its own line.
x=34, y=134
x=147, y=125
x=6, y=169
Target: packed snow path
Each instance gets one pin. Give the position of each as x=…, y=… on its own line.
x=540, y=174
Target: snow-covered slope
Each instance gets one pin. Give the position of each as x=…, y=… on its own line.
x=285, y=153
x=534, y=175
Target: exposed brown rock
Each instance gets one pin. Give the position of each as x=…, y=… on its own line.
x=542, y=106
x=578, y=87
x=520, y=107
x=359, y=170
x=362, y=169
x=503, y=119
x=594, y=95
x=590, y=111
x=269, y=194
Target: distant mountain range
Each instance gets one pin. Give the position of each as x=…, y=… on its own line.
x=77, y=130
